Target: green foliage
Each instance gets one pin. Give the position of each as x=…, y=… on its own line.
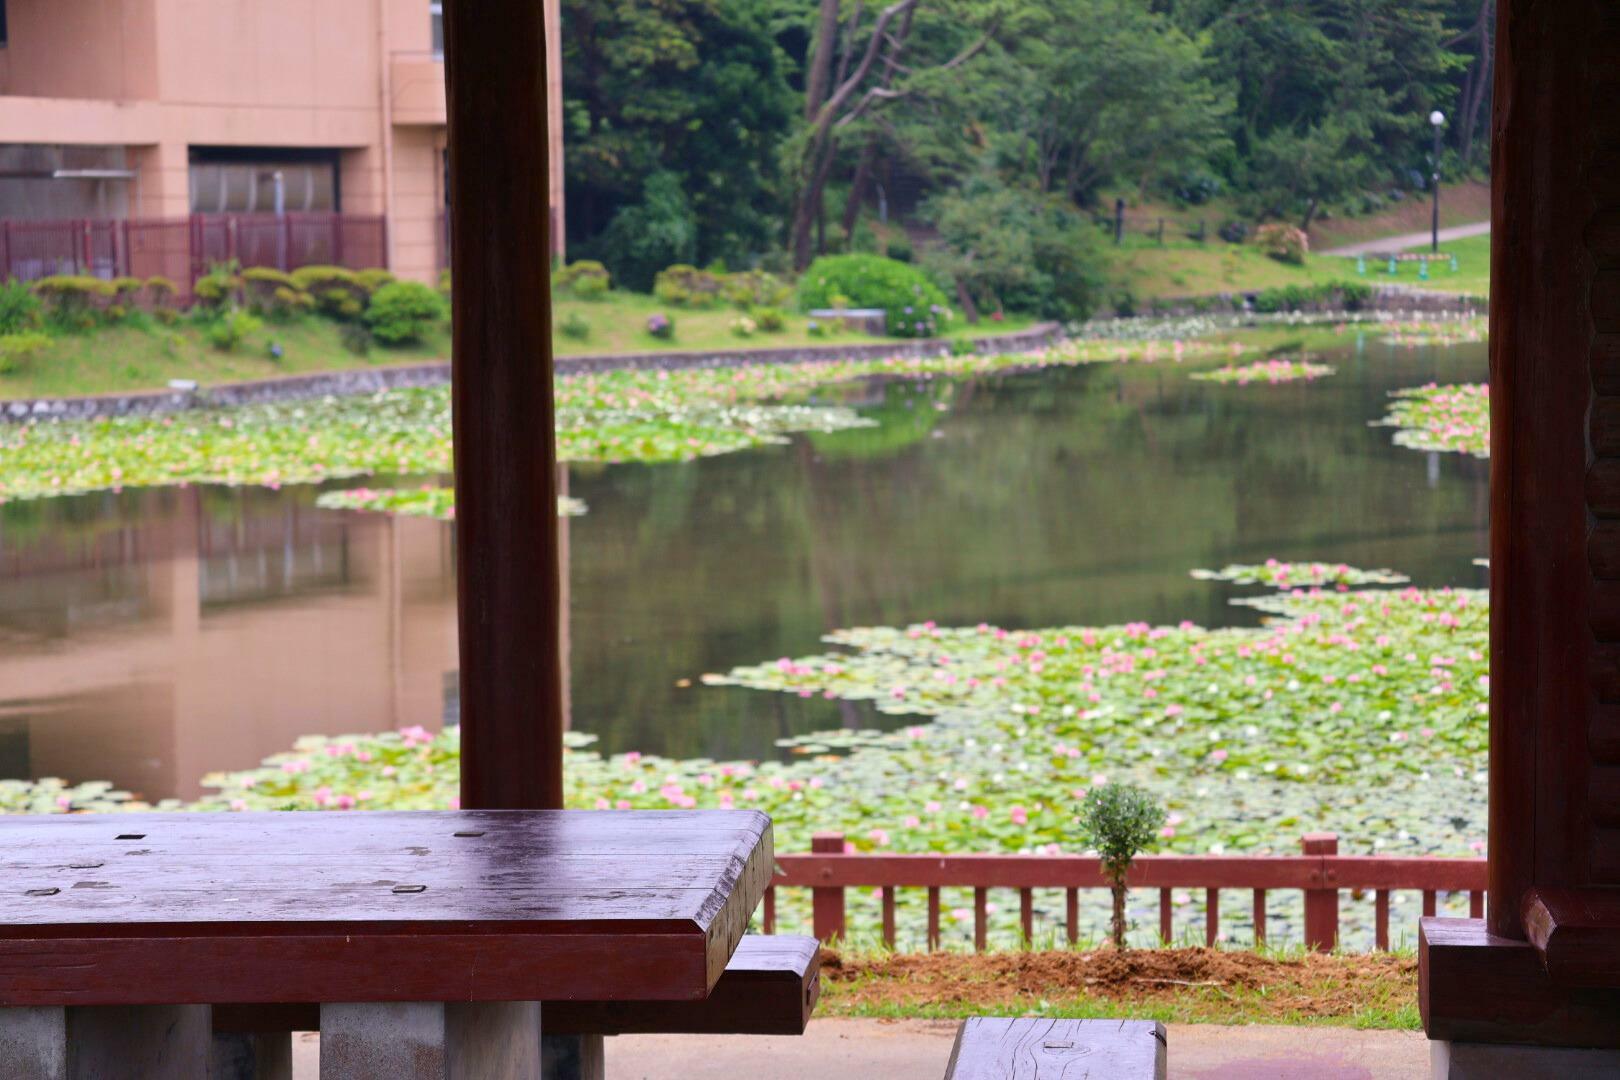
x=696, y=90
x=227, y=332
x=913, y=304
x=575, y=326
x=356, y=338
x=160, y=292
x=647, y=236
x=1015, y=248
x=20, y=309
x=20, y=346
x=374, y=278
x=273, y=294
x=770, y=319
x=754, y=288
x=74, y=303
x=744, y=327
x=404, y=311
x=1119, y=821
x=1330, y=295
x=587, y=279
x=899, y=249
x=220, y=287
x=687, y=286
x=337, y=291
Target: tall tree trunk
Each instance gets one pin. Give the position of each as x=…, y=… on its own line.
x=857, y=190
x=819, y=77
x=965, y=298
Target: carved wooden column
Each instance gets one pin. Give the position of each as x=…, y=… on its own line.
x=1543, y=968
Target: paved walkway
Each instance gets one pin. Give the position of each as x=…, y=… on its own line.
x=1390, y=244
x=919, y=1049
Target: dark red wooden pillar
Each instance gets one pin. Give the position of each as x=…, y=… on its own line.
x=506, y=492
x=1544, y=965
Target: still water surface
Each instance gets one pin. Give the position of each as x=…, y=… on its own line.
x=150, y=637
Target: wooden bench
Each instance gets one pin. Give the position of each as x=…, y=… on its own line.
x=430, y=940
x=1028, y=1048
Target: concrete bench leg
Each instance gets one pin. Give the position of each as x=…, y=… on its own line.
x=240, y=1056
x=573, y=1057
x=431, y=1041
x=140, y=1042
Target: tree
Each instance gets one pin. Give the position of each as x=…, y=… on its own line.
x=908, y=43
x=696, y=89
x=1013, y=247
x=1119, y=821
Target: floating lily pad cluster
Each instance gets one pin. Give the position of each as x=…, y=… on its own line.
x=1287, y=575
x=1277, y=370
x=640, y=416
x=1454, y=418
x=424, y=501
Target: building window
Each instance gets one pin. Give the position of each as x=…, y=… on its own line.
x=245, y=180
x=435, y=13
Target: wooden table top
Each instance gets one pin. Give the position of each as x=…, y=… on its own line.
x=347, y=906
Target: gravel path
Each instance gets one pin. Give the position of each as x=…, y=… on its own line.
x=1389, y=244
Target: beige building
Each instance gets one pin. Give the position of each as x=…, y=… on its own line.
x=167, y=108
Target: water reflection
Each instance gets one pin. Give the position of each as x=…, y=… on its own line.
x=149, y=637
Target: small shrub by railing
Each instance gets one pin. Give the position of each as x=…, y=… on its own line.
x=1319, y=872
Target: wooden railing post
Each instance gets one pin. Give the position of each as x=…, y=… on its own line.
x=827, y=902
x=1322, y=904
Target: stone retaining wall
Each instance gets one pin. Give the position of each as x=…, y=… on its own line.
x=436, y=373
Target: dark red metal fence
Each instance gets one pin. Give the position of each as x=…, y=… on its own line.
x=182, y=249
x=1319, y=872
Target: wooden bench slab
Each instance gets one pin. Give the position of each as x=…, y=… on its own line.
x=770, y=987
x=133, y=909
x=1028, y=1048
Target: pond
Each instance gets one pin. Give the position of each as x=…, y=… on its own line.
x=149, y=637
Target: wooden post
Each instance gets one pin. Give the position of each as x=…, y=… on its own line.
x=1321, y=905
x=506, y=499
x=827, y=903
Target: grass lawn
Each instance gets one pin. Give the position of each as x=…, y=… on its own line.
x=1185, y=985
x=1473, y=274
x=1180, y=268
x=146, y=357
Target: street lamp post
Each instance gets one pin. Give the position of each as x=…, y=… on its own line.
x=1438, y=120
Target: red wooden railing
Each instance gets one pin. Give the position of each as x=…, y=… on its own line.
x=1319, y=872
x=182, y=249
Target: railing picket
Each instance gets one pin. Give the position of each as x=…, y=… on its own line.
x=1381, y=920
x=1476, y=904
x=1026, y=914
x=1164, y=916
x=1071, y=903
x=769, y=920
x=827, y=902
x=933, y=917
x=981, y=917
x=1212, y=916
x=1259, y=916
x=1321, y=903
x=1428, y=903
x=888, y=916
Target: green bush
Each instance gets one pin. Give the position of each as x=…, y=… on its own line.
x=658, y=231
x=1332, y=295
x=20, y=309
x=1119, y=821
x=661, y=326
x=743, y=326
x=962, y=347
x=754, y=288
x=227, y=332
x=159, y=293
x=373, y=279
x=17, y=348
x=686, y=286
x=899, y=249
x=444, y=284
x=587, y=279
x=73, y=302
x=356, y=338
x=770, y=319
x=913, y=305
x=337, y=291
x=272, y=293
x=404, y=311
x=574, y=326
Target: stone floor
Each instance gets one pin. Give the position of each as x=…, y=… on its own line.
x=918, y=1050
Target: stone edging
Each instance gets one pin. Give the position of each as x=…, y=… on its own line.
x=437, y=373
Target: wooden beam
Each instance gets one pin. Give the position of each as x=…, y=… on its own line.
x=508, y=581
